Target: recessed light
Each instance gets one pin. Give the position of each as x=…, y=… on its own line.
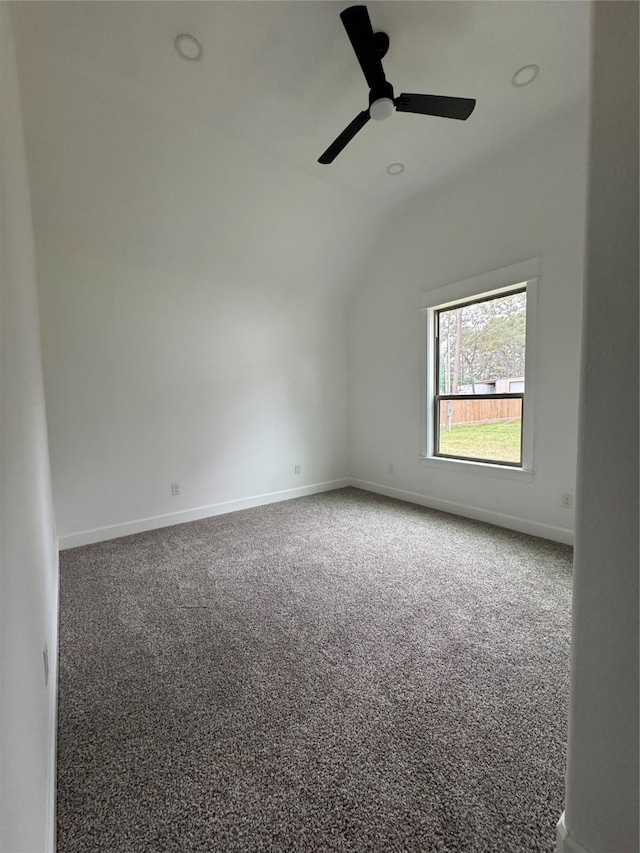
x=395, y=168
x=525, y=75
x=188, y=47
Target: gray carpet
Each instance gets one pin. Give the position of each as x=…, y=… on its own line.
x=340, y=672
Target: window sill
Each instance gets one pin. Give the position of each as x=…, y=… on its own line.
x=462, y=466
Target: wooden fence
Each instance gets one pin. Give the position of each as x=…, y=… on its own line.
x=465, y=412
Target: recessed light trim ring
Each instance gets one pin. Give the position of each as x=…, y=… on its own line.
x=525, y=75
x=395, y=168
x=188, y=47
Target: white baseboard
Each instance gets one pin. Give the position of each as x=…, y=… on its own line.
x=512, y=522
x=565, y=843
x=127, y=528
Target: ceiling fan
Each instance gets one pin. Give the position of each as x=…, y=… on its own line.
x=370, y=48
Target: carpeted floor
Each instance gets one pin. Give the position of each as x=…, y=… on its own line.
x=339, y=672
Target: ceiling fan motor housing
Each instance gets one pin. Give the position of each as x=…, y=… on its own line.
x=383, y=90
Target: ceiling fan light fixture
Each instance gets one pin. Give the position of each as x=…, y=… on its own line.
x=188, y=47
x=381, y=109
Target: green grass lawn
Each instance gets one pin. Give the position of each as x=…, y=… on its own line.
x=500, y=442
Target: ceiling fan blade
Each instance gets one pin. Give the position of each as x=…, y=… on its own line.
x=345, y=137
x=357, y=23
x=436, y=105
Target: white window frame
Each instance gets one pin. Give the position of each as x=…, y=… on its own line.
x=495, y=283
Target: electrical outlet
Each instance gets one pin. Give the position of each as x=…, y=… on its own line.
x=175, y=489
x=296, y=469
x=566, y=500
x=391, y=468
x=45, y=661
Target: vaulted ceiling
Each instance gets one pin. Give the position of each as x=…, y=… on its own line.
x=281, y=79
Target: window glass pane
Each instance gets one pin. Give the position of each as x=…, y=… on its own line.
x=481, y=346
x=481, y=429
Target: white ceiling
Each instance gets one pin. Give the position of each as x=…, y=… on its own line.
x=282, y=77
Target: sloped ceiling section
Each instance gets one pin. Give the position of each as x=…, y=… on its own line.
x=146, y=171
x=282, y=77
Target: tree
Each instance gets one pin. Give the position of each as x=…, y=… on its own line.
x=482, y=342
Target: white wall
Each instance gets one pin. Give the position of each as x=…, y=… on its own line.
x=524, y=203
x=190, y=334
x=602, y=770
x=28, y=551
x=189, y=338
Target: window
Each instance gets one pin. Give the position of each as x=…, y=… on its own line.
x=480, y=364
x=478, y=370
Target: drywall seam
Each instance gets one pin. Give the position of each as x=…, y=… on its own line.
x=511, y=522
x=127, y=528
